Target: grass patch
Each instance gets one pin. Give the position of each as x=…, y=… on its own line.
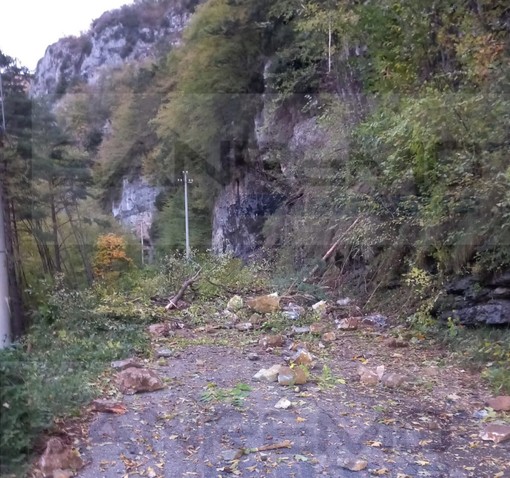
x=485, y=348
x=235, y=395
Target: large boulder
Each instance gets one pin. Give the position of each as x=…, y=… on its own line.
x=59, y=456
x=264, y=304
x=495, y=312
x=136, y=380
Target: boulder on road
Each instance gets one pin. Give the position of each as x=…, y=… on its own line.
x=135, y=380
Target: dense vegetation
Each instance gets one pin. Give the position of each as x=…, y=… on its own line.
x=411, y=107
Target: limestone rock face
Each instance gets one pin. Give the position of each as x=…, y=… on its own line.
x=131, y=33
x=239, y=214
x=136, y=206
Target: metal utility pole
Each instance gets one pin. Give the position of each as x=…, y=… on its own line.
x=186, y=180
x=5, y=315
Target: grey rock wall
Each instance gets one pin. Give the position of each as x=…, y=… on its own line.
x=116, y=38
x=136, y=207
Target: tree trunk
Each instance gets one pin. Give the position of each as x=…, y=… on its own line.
x=54, y=230
x=79, y=243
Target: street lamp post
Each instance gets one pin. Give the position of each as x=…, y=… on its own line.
x=186, y=180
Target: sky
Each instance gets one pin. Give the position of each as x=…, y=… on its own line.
x=28, y=27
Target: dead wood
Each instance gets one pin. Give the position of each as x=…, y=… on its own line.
x=332, y=249
x=172, y=304
x=274, y=446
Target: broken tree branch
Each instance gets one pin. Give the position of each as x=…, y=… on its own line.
x=333, y=248
x=274, y=446
x=172, y=304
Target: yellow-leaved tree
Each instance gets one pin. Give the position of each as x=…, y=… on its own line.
x=111, y=257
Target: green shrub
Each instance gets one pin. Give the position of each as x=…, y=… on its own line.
x=58, y=367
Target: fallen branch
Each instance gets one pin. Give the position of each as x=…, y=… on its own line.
x=274, y=446
x=172, y=304
x=332, y=249
x=221, y=286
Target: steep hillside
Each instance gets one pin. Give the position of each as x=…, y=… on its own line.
x=374, y=131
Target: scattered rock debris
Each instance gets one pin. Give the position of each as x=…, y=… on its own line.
x=328, y=424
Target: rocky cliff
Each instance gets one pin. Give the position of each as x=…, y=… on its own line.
x=131, y=33
x=134, y=33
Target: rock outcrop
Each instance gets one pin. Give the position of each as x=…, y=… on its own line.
x=136, y=207
x=474, y=301
x=239, y=215
x=131, y=33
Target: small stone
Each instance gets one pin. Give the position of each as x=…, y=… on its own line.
x=500, y=404
x=293, y=311
x=380, y=371
x=302, y=357
x=343, y=302
x=300, y=330
x=300, y=375
x=272, y=341
x=317, y=328
x=264, y=304
x=231, y=455
x=375, y=320
x=480, y=414
x=126, y=363
x=164, y=353
x=235, y=303
x=501, y=292
x=297, y=345
x=368, y=376
x=352, y=464
x=329, y=337
x=320, y=307
x=230, y=316
x=253, y=356
x=395, y=343
x=283, y=404
x=351, y=323
x=269, y=374
x=159, y=330
x=393, y=380
x=496, y=433
x=244, y=326
x=286, y=376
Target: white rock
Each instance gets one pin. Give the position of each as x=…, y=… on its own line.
x=343, y=302
x=320, y=306
x=283, y=404
x=235, y=303
x=268, y=374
